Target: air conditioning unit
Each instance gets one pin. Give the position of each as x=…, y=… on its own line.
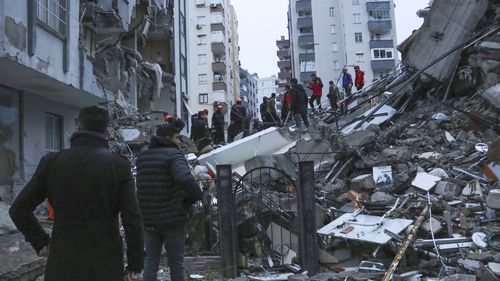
x=199, y=26
x=217, y=78
x=213, y=5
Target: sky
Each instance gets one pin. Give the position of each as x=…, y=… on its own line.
x=262, y=22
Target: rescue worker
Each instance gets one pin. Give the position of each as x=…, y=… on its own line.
x=316, y=86
x=333, y=95
x=299, y=103
x=359, y=80
x=200, y=133
x=218, y=124
x=238, y=114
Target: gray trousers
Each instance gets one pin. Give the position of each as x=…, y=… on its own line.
x=174, y=241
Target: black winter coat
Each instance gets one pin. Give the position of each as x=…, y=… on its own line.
x=165, y=186
x=218, y=119
x=238, y=113
x=88, y=187
x=299, y=99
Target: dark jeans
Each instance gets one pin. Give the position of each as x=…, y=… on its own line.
x=219, y=134
x=298, y=116
x=318, y=101
x=174, y=241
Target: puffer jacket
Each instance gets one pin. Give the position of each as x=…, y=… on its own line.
x=165, y=186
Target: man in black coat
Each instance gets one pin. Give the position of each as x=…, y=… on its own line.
x=238, y=114
x=88, y=187
x=166, y=190
x=218, y=124
x=299, y=103
x=200, y=132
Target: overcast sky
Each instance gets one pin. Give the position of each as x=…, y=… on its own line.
x=262, y=22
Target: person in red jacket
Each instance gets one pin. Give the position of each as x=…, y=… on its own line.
x=316, y=86
x=359, y=81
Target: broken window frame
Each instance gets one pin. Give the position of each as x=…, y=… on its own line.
x=53, y=133
x=52, y=15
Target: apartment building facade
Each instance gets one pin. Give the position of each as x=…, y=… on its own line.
x=57, y=56
x=327, y=35
x=284, y=54
x=249, y=90
x=213, y=55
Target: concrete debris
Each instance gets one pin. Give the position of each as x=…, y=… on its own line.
x=363, y=182
x=492, y=95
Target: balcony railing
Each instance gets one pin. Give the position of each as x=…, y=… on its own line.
x=283, y=54
x=304, y=22
x=303, y=6
x=377, y=5
x=383, y=64
x=282, y=64
x=306, y=41
x=379, y=26
x=374, y=44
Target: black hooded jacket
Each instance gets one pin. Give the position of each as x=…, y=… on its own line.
x=299, y=99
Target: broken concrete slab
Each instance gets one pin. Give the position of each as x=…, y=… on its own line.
x=459, y=277
x=425, y=181
x=493, y=199
x=364, y=182
x=359, y=138
x=447, y=189
x=489, y=50
x=379, y=197
x=436, y=226
x=492, y=95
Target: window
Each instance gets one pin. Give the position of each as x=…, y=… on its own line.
x=53, y=14
x=335, y=46
x=358, y=37
x=382, y=54
x=356, y=18
x=306, y=30
x=336, y=64
x=202, y=79
x=355, y=2
x=202, y=59
x=379, y=15
x=378, y=36
x=200, y=20
x=332, y=11
x=307, y=66
x=203, y=98
x=202, y=39
x=333, y=28
x=53, y=132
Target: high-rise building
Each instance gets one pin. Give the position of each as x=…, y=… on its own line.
x=213, y=55
x=284, y=63
x=328, y=35
x=248, y=90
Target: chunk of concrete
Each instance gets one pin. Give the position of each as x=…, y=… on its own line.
x=490, y=50
x=459, y=277
x=494, y=151
x=492, y=95
x=6, y=224
x=493, y=199
x=365, y=182
x=379, y=196
x=436, y=226
x=447, y=189
x=359, y=138
x=470, y=264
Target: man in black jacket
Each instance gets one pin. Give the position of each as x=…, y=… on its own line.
x=200, y=133
x=166, y=190
x=88, y=187
x=238, y=114
x=218, y=124
x=299, y=103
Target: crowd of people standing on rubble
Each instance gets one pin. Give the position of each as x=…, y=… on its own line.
x=294, y=110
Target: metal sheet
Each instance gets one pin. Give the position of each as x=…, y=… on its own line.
x=369, y=232
x=376, y=120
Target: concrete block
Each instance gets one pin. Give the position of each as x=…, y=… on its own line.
x=381, y=197
x=359, y=138
x=436, y=226
x=493, y=199
x=447, y=189
x=492, y=95
x=365, y=182
x=459, y=277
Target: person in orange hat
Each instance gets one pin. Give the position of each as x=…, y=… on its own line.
x=218, y=124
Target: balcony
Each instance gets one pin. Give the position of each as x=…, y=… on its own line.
x=284, y=75
x=283, y=44
x=283, y=54
x=219, y=85
x=216, y=6
x=306, y=41
x=304, y=22
x=377, y=5
x=217, y=26
x=379, y=26
x=219, y=66
x=218, y=48
x=383, y=64
x=375, y=44
x=307, y=57
x=303, y=6
x=285, y=64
